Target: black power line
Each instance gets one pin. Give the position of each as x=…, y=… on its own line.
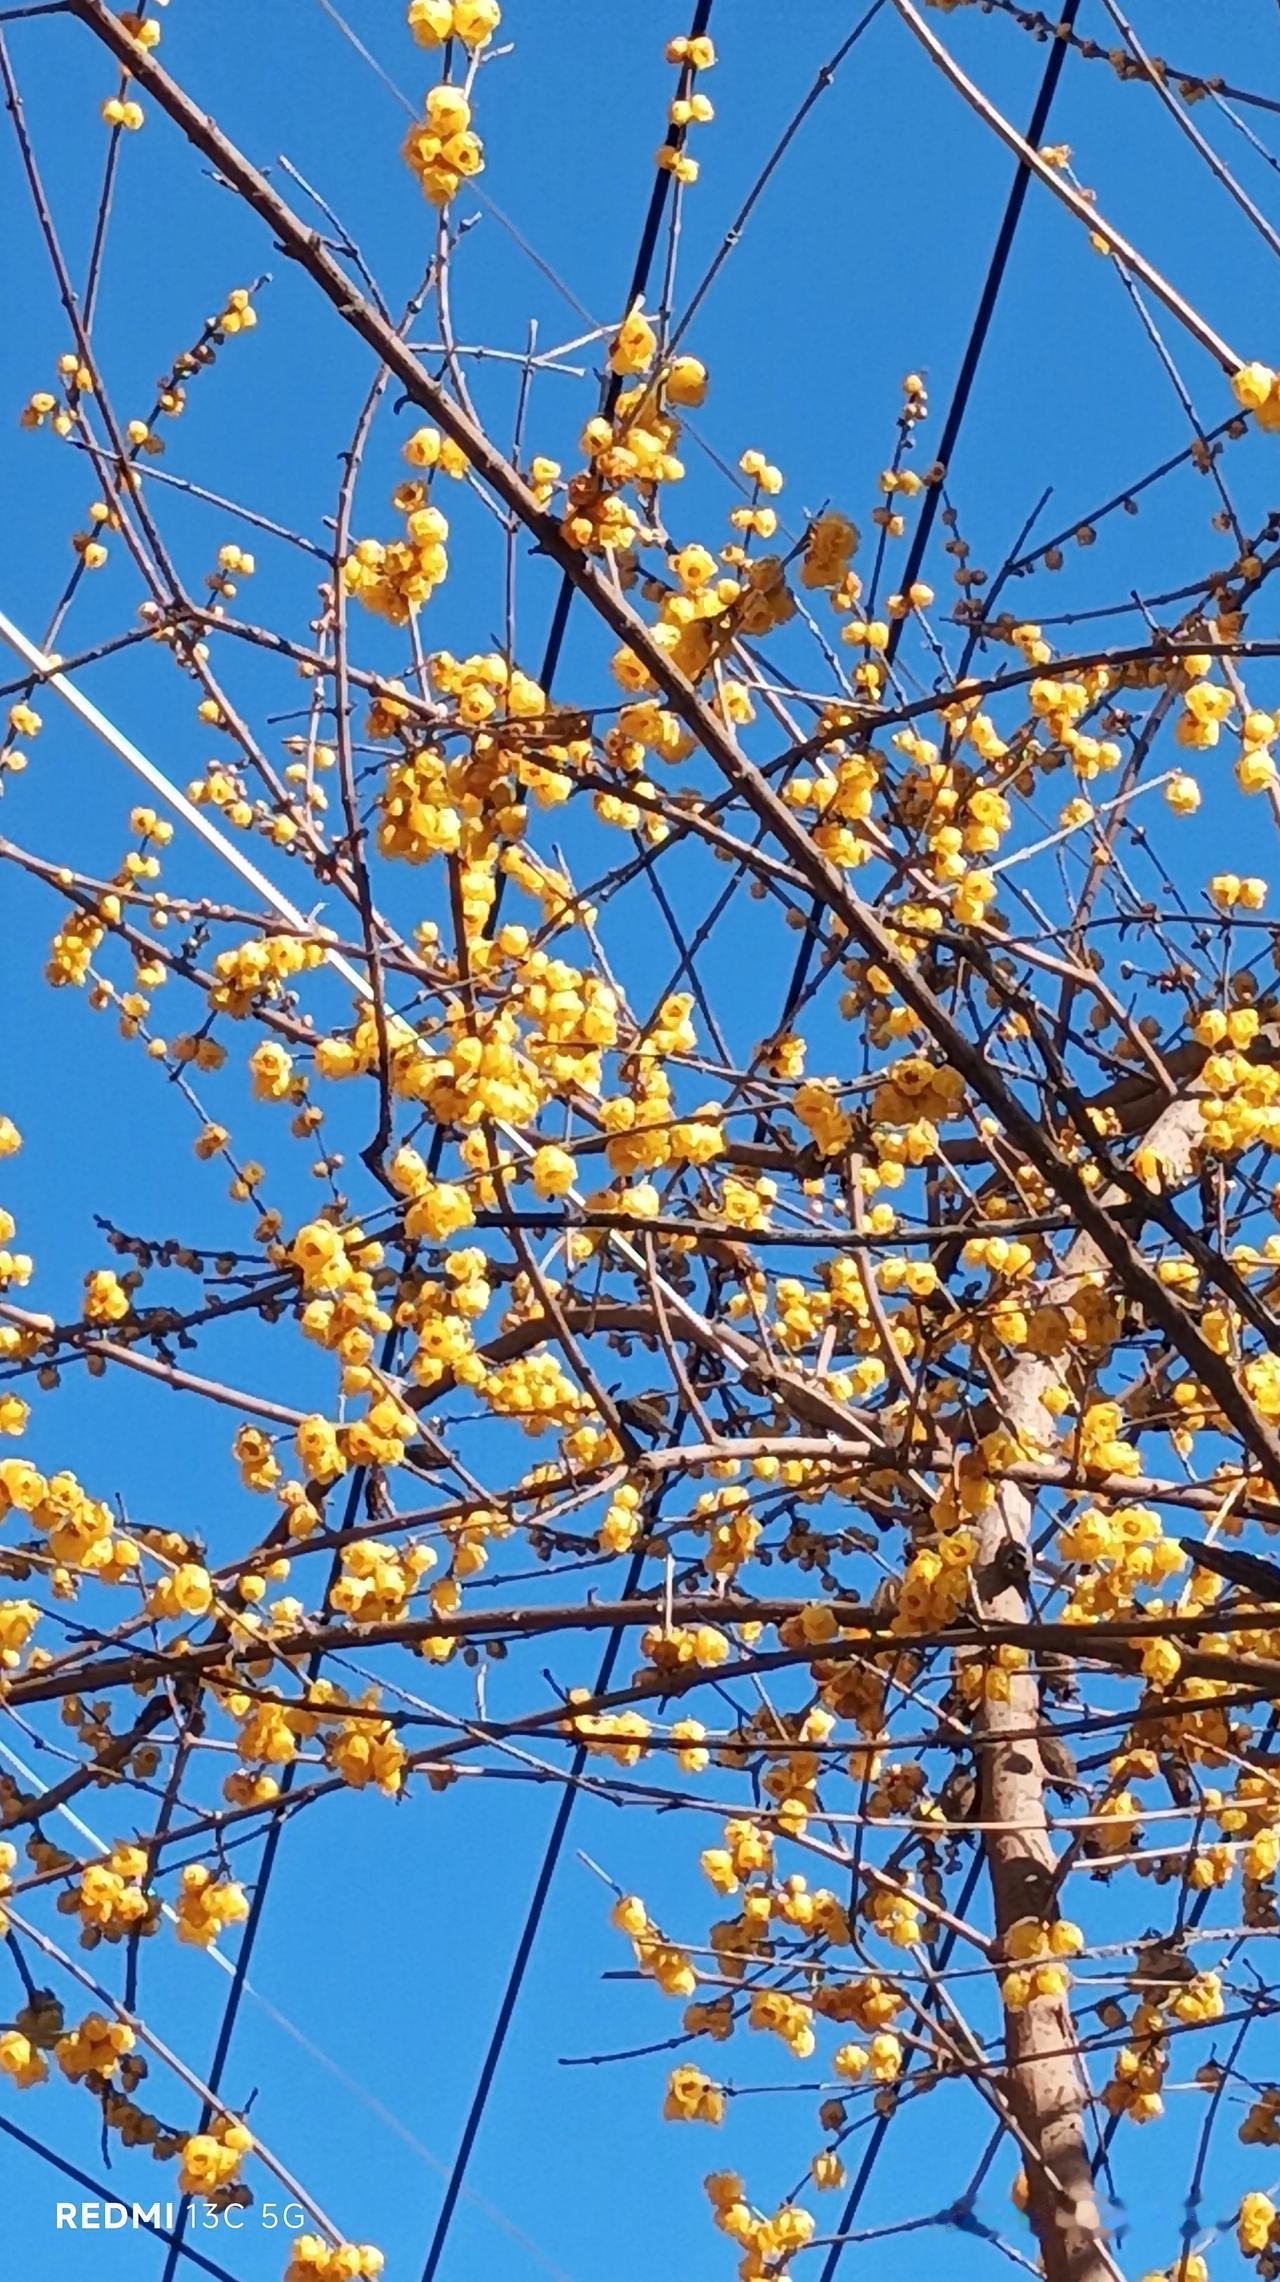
x=267, y=1861
x=662, y=190
x=959, y=405
x=920, y=540
x=880, y=2128
x=103, y=2194
x=271, y=1846
x=519, y=1963
x=663, y=187
x=986, y=310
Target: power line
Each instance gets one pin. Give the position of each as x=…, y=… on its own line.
x=271, y=1848
x=920, y=540
x=880, y=2129
x=959, y=405
x=986, y=310
x=519, y=1964
x=663, y=188
x=103, y=2194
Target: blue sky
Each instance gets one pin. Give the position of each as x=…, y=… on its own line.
x=389, y=1930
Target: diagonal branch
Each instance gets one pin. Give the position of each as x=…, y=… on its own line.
x=1023, y=1128
x=1075, y=203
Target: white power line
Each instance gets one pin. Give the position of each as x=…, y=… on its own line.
x=50, y=675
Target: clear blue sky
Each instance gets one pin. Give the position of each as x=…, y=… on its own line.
x=389, y=1931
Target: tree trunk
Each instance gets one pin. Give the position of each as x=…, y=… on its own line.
x=1046, y=2083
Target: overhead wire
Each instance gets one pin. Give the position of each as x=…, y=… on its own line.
x=958, y=407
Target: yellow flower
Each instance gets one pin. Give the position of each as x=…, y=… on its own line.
x=634, y=345
x=104, y=1299
x=687, y=382
x=1161, y=1663
x=1256, y=389
x=319, y=1452
x=476, y=21
x=205, y=1906
x=319, y=1252
x=1255, y=771
x=692, y=2098
x=184, y=1591
x=430, y=21
x=439, y=1209
x=96, y=2047
x=441, y=150
x=552, y=1171
x=1254, y=2222
x=271, y=1070
x=20, y=2060
x=211, y=2159
x=311, y=2259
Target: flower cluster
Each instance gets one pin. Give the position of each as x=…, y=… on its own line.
x=365, y=1751
x=80, y=1532
x=669, y=1966
x=767, y=2244
x=690, y=109
x=312, y=2259
x=210, y=2160
x=474, y=22
x=95, y=2049
x=206, y=1906
x=692, y=2098
x=441, y=149
x=110, y=1898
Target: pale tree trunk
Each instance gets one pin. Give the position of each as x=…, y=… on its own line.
x=1046, y=2083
